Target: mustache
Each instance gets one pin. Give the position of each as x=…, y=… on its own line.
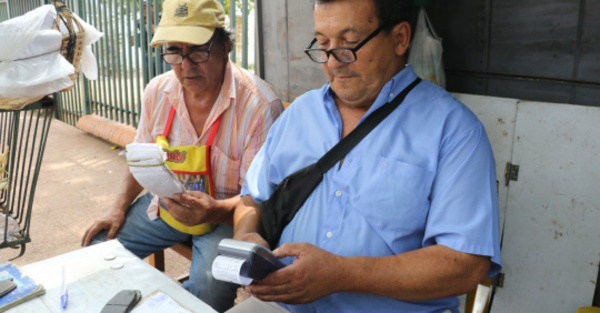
x=191, y=73
x=342, y=72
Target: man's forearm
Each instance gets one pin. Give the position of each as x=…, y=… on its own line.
x=129, y=191
x=223, y=211
x=429, y=273
x=246, y=218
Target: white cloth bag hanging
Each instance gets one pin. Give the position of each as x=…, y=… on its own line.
x=425, y=55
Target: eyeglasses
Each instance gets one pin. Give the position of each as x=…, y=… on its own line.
x=342, y=54
x=195, y=56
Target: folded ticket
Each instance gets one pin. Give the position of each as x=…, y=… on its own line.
x=147, y=165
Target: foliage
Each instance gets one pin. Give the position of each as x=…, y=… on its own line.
x=239, y=4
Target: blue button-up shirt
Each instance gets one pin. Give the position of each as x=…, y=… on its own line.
x=422, y=177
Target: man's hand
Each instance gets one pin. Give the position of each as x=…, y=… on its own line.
x=191, y=209
x=112, y=221
x=314, y=274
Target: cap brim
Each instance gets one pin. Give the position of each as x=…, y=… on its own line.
x=195, y=35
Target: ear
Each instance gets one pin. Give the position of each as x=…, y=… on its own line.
x=227, y=47
x=401, y=35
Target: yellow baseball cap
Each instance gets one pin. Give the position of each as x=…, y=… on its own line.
x=189, y=21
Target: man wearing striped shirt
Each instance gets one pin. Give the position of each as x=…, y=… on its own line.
x=205, y=101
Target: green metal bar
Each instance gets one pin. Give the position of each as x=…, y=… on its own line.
x=47, y=113
x=77, y=99
x=103, y=92
x=128, y=47
x=4, y=14
x=245, y=34
x=143, y=25
x=113, y=48
x=158, y=65
x=139, y=49
x=119, y=90
x=16, y=159
x=97, y=51
x=28, y=165
x=86, y=83
x=110, y=91
x=233, y=26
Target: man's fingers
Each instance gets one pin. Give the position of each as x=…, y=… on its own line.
x=112, y=233
x=89, y=234
x=85, y=240
x=289, y=249
x=280, y=293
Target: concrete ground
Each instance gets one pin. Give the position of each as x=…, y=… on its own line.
x=79, y=178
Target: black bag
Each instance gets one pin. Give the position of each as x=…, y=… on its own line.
x=279, y=210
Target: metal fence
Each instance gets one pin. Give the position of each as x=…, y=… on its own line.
x=12, y=8
x=3, y=10
x=126, y=62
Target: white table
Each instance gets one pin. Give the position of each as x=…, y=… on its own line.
x=92, y=281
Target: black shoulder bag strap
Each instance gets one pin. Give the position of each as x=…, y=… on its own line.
x=277, y=211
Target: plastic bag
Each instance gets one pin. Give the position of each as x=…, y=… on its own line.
x=36, y=76
x=18, y=33
x=31, y=64
x=425, y=54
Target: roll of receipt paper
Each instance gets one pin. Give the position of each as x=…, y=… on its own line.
x=230, y=269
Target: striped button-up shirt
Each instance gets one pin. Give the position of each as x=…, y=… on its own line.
x=248, y=107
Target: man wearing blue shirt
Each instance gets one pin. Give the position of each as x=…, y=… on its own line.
x=408, y=219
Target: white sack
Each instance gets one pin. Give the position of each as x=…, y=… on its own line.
x=18, y=33
x=36, y=76
x=45, y=41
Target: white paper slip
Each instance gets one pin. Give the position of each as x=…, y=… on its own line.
x=228, y=269
x=147, y=165
x=158, y=179
x=159, y=302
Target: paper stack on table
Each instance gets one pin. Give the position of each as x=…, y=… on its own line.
x=147, y=164
x=25, y=290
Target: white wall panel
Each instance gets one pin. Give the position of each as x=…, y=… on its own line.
x=551, y=242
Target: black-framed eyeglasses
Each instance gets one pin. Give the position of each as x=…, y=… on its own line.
x=342, y=54
x=195, y=56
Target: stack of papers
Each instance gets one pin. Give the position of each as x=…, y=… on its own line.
x=26, y=288
x=147, y=164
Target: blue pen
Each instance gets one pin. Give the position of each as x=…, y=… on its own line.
x=64, y=293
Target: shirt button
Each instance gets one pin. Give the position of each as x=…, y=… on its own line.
x=391, y=94
x=338, y=193
x=329, y=234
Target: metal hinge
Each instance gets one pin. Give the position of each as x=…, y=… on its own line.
x=511, y=172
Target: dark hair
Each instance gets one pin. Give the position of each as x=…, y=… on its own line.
x=222, y=36
x=390, y=12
